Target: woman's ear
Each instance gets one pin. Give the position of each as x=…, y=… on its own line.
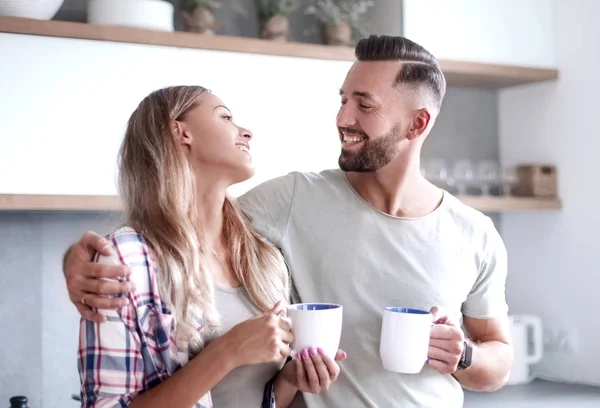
x=180, y=134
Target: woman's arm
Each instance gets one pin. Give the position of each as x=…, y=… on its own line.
x=112, y=369
x=118, y=363
x=192, y=382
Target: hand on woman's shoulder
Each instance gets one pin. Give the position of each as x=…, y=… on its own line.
x=131, y=249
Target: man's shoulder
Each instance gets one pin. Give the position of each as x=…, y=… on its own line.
x=287, y=184
x=467, y=217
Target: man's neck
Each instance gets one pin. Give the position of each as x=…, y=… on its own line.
x=397, y=189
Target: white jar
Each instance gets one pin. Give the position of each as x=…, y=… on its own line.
x=148, y=14
x=38, y=9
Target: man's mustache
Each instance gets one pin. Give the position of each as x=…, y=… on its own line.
x=350, y=131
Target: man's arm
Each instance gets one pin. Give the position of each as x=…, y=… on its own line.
x=492, y=355
x=268, y=205
x=485, y=320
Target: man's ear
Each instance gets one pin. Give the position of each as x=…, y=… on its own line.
x=419, y=124
x=180, y=133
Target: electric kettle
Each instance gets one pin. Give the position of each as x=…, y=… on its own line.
x=528, y=345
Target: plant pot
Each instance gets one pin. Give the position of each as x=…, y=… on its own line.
x=276, y=28
x=148, y=14
x=201, y=20
x=339, y=34
x=38, y=9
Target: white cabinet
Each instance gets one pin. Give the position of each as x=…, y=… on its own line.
x=513, y=32
x=65, y=104
x=288, y=103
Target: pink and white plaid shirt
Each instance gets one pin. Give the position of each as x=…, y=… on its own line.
x=135, y=349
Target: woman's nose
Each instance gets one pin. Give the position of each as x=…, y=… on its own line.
x=246, y=134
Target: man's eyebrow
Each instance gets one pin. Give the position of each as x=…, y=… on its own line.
x=358, y=93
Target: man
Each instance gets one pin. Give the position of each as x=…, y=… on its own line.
x=375, y=233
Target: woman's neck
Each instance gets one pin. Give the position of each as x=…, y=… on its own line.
x=209, y=214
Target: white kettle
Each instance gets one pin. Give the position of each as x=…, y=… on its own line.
x=528, y=346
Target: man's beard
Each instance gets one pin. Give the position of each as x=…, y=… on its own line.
x=375, y=153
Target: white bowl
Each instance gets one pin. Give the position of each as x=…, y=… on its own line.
x=38, y=9
x=148, y=14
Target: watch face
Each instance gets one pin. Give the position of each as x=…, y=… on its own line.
x=465, y=361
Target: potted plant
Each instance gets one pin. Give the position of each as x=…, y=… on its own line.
x=198, y=15
x=343, y=20
x=273, y=15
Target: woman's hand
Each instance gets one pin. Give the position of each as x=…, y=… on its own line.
x=312, y=370
x=262, y=339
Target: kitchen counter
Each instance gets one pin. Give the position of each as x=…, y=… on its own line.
x=539, y=393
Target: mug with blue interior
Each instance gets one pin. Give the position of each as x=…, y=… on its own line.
x=317, y=325
x=404, y=342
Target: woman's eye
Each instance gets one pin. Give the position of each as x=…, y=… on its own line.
x=228, y=117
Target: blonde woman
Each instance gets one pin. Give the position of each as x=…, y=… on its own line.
x=202, y=325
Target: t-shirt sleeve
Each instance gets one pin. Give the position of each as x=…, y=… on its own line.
x=269, y=205
x=487, y=299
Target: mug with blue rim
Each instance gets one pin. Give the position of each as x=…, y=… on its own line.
x=316, y=325
x=404, y=343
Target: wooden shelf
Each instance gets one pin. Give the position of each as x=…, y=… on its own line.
x=458, y=73
x=511, y=204
x=33, y=202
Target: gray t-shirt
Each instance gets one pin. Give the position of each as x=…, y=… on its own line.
x=243, y=386
x=340, y=249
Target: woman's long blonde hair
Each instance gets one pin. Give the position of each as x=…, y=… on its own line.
x=156, y=184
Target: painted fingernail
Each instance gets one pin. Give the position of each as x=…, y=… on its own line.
x=313, y=351
x=344, y=354
x=305, y=353
x=299, y=356
x=320, y=350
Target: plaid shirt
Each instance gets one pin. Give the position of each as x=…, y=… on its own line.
x=135, y=349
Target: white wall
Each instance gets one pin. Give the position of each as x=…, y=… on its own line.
x=554, y=272
x=518, y=32
x=289, y=104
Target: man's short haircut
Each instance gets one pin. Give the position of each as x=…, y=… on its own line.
x=419, y=69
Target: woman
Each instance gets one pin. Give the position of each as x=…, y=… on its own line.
x=204, y=314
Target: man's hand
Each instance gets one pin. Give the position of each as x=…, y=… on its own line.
x=82, y=276
x=445, y=344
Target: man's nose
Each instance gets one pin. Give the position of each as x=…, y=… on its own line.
x=346, y=116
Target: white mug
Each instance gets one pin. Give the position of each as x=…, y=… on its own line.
x=317, y=325
x=405, y=334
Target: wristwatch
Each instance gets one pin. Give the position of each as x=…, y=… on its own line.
x=467, y=354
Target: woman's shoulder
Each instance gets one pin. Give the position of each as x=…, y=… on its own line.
x=130, y=245
x=130, y=248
